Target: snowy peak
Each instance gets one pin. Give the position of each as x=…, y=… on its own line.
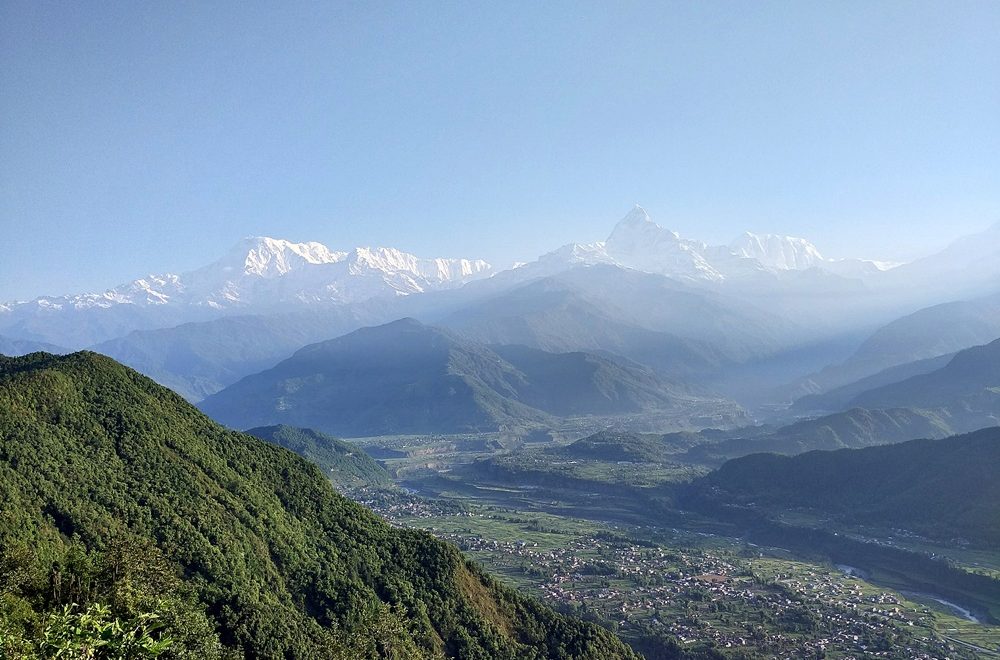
x=579, y=253
x=637, y=217
x=263, y=256
x=391, y=260
x=637, y=223
x=777, y=252
x=638, y=242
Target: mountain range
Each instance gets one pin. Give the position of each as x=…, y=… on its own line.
x=258, y=275
x=17, y=347
x=263, y=275
x=912, y=339
x=967, y=386
x=851, y=429
x=638, y=243
x=765, y=320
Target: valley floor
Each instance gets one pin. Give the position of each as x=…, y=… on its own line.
x=594, y=555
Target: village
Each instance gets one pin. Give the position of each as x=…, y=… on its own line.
x=730, y=600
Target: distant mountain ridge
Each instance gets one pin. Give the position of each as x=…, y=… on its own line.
x=602, y=307
x=639, y=243
x=199, y=359
x=259, y=274
x=852, y=429
x=406, y=377
x=967, y=388
x=16, y=347
x=927, y=333
x=841, y=397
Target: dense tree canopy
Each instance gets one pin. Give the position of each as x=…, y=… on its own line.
x=120, y=501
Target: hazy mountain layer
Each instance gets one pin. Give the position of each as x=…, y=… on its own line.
x=15, y=347
x=927, y=333
x=648, y=318
x=199, y=359
x=405, y=377
x=967, y=387
x=841, y=397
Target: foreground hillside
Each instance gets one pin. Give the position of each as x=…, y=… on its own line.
x=943, y=488
x=119, y=497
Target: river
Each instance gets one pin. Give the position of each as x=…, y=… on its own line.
x=954, y=607
x=918, y=595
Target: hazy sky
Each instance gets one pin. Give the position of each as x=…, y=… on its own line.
x=144, y=137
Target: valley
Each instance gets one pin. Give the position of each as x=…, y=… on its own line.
x=634, y=560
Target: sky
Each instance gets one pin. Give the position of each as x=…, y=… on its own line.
x=149, y=137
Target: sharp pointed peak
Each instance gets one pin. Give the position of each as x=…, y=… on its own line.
x=638, y=222
x=636, y=215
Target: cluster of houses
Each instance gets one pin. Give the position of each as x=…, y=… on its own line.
x=700, y=596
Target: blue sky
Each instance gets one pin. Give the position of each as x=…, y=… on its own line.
x=149, y=137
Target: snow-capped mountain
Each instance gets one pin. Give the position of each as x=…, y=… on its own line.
x=639, y=243
x=777, y=252
x=266, y=271
x=258, y=274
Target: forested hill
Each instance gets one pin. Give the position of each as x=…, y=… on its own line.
x=346, y=465
x=405, y=377
x=943, y=488
x=123, y=501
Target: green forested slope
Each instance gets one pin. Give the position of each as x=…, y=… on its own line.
x=115, y=492
x=851, y=429
x=346, y=465
x=942, y=488
x=618, y=446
